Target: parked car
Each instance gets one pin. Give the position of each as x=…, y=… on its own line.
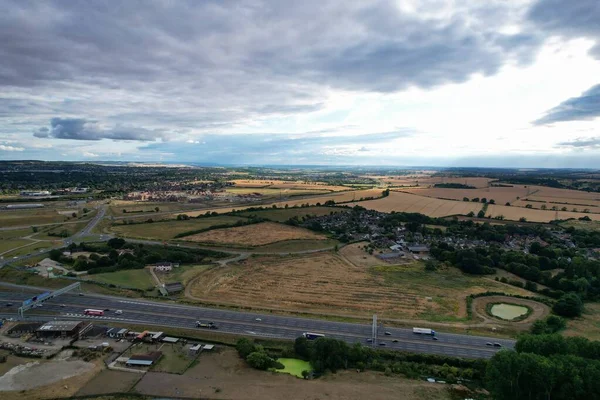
x=497, y=345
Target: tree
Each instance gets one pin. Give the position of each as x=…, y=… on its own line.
x=569, y=305
x=116, y=243
x=543, y=207
x=259, y=360
x=483, y=200
x=74, y=215
x=471, y=214
x=431, y=265
x=522, y=219
x=302, y=347
x=481, y=214
x=492, y=201
x=528, y=206
x=475, y=199
x=465, y=199
x=507, y=204
x=245, y=347
x=305, y=374
x=55, y=254
x=34, y=229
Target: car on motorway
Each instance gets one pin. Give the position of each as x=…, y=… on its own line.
x=387, y=333
x=497, y=345
x=489, y=344
x=62, y=305
x=395, y=340
x=9, y=304
x=369, y=340
x=382, y=343
x=258, y=319
x=434, y=338
x=119, y=312
x=81, y=294
x=107, y=309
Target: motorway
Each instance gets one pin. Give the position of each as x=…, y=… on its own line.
x=142, y=312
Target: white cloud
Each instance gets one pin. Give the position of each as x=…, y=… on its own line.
x=10, y=148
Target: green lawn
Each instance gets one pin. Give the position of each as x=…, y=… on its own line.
x=134, y=278
x=293, y=366
x=167, y=230
x=283, y=214
x=587, y=225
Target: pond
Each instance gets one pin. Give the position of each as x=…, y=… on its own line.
x=508, y=311
x=293, y=366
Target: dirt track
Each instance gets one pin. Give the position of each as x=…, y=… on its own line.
x=539, y=311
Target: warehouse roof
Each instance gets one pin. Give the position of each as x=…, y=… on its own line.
x=59, y=326
x=152, y=357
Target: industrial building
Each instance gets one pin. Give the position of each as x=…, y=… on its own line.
x=60, y=328
x=24, y=206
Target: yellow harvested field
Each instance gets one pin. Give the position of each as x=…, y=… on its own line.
x=501, y=195
x=534, y=215
x=339, y=197
x=277, y=184
x=406, y=202
x=254, y=235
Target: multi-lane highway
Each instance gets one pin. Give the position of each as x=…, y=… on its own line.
x=142, y=312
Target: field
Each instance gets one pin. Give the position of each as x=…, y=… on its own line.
x=587, y=225
x=109, y=381
x=405, y=202
x=30, y=217
x=223, y=375
x=275, y=192
x=533, y=215
x=174, y=360
x=254, y=235
x=588, y=325
x=70, y=228
x=14, y=233
x=134, y=278
x=356, y=255
x=146, y=209
x=169, y=229
x=28, y=249
x=296, y=185
x=7, y=245
x=283, y=214
x=500, y=195
x=325, y=283
x=341, y=197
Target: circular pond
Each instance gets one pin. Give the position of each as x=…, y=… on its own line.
x=508, y=312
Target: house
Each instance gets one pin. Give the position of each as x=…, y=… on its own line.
x=419, y=249
x=144, y=360
x=171, y=288
x=390, y=256
x=163, y=267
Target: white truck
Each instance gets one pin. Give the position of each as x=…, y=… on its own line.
x=424, y=331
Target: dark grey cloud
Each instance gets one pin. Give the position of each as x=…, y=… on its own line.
x=581, y=143
x=569, y=18
x=584, y=107
x=351, y=44
x=82, y=129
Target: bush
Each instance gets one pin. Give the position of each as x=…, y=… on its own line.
x=569, y=305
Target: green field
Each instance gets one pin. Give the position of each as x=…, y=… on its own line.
x=44, y=231
x=168, y=229
x=293, y=366
x=587, y=225
x=15, y=233
x=283, y=214
x=30, y=217
x=271, y=192
x=147, y=209
x=134, y=278
x=6, y=245
x=29, y=249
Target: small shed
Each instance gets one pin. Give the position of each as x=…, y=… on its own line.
x=208, y=347
x=144, y=360
x=168, y=339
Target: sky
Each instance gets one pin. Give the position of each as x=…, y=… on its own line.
x=490, y=83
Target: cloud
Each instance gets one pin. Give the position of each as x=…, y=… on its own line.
x=82, y=129
x=582, y=143
x=272, y=147
x=584, y=107
x=569, y=18
x=87, y=154
x=10, y=148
